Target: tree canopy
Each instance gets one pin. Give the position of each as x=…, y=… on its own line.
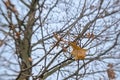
x=60, y=39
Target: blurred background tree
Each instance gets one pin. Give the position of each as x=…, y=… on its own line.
x=36, y=39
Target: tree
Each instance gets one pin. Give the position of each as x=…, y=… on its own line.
x=45, y=39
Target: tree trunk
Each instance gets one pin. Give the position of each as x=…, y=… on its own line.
x=24, y=52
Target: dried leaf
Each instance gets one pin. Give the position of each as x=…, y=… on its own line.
x=78, y=52
x=74, y=45
x=17, y=35
x=12, y=27
x=10, y=6
x=110, y=65
x=64, y=49
x=111, y=73
x=90, y=35
x=14, y=10
x=7, y=3
x=57, y=37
